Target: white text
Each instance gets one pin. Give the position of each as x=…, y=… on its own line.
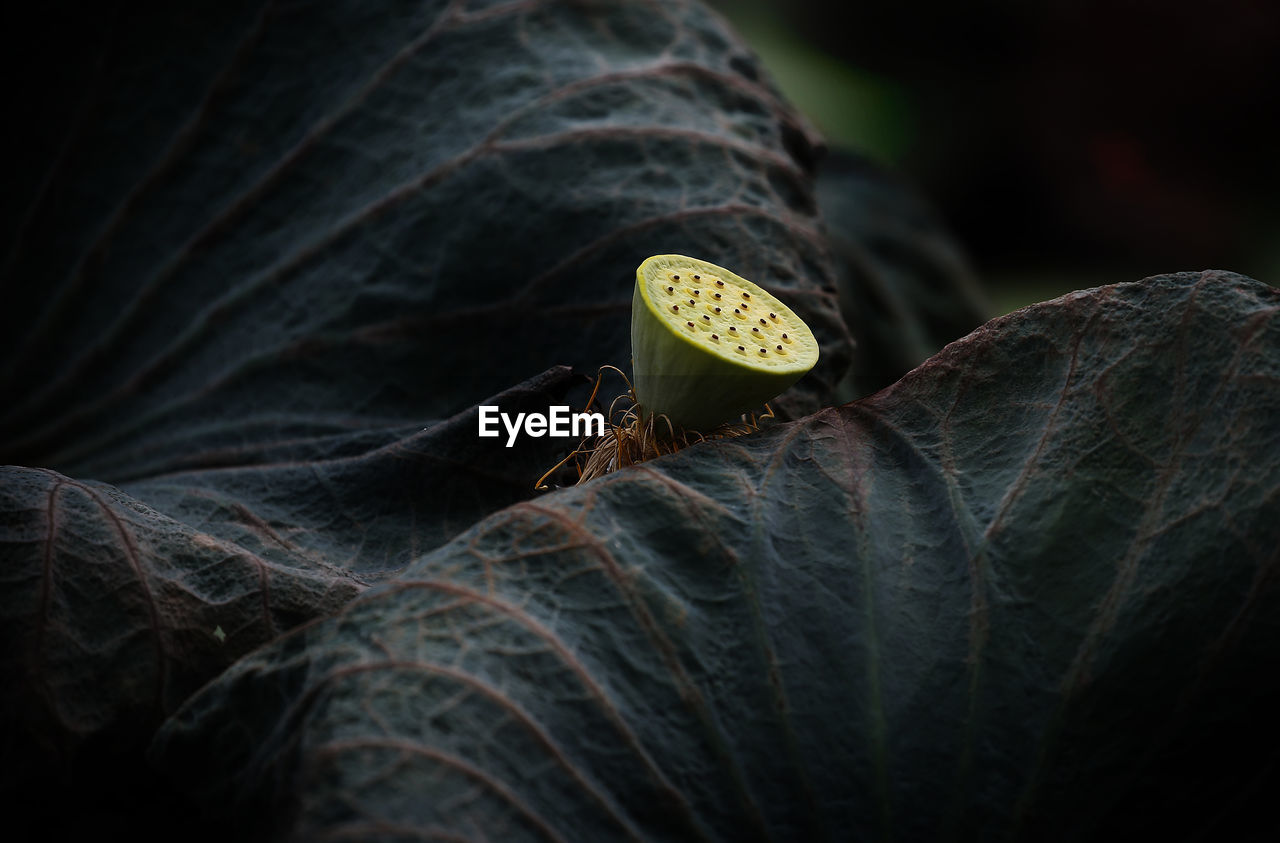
x=559, y=421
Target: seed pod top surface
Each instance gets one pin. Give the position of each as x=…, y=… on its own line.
x=708, y=344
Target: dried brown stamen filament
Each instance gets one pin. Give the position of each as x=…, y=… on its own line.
x=629, y=439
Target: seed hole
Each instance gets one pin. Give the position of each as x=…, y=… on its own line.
x=690, y=324
x=773, y=316
x=741, y=348
x=717, y=336
x=675, y=308
x=719, y=283
x=746, y=295
x=697, y=278
x=675, y=277
x=762, y=322
x=762, y=351
x=706, y=317
x=717, y=295
x=671, y=289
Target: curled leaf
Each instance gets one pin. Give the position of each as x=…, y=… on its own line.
x=1029, y=592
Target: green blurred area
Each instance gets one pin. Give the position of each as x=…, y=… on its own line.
x=859, y=110
x=849, y=106
x=909, y=124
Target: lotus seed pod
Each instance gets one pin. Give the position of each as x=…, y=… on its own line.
x=708, y=345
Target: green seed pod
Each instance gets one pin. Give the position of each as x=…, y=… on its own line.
x=708, y=345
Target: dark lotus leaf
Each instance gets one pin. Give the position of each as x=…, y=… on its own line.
x=258, y=223
x=1026, y=593
x=113, y=613
x=118, y=606
x=366, y=508
x=906, y=288
x=253, y=248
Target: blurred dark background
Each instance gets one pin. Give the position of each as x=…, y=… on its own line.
x=1066, y=144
